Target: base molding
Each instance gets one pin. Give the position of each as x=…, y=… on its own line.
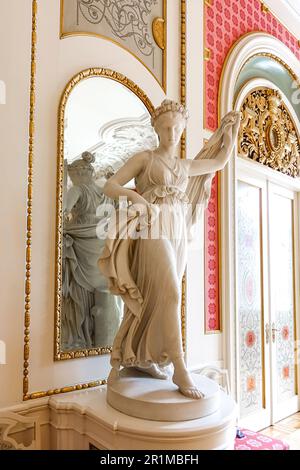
x=84, y=418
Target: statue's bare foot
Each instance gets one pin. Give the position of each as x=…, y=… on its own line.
x=185, y=383
x=154, y=371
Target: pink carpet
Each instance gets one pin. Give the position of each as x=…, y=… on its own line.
x=257, y=441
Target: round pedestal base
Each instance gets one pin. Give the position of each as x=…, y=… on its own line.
x=137, y=394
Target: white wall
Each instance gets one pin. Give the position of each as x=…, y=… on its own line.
x=57, y=61
x=15, y=36
x=201, y=348
x=288, y=12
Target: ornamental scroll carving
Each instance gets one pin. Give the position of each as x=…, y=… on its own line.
x=267, y=133
x=138, y=26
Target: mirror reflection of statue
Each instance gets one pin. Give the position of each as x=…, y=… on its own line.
x=90, y=313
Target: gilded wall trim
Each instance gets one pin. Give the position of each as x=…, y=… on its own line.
x=183, y=69
x=183, y=141
x=29, y=200
x=56, y=391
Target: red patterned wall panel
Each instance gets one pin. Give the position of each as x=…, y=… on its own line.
x=225, y=21
x=211, y=262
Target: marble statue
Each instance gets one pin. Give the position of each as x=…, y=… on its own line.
x=90, y=314
x=146, y=268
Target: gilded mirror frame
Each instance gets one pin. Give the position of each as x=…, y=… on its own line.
x=79, y=77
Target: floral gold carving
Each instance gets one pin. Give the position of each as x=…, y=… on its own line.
x=268, y=134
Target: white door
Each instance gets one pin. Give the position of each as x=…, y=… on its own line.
x=282, y=266
x=266, y=327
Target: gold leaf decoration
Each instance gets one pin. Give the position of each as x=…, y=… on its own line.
x=268, y=134
x=158, y=31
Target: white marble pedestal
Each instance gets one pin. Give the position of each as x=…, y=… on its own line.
x=137, y=394
x=84, y=418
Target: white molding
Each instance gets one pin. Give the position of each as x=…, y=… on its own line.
x=33, y=408
x=198, y=367
x=74, y=420
x=207, y=134
x=286, y=14
x=266, y=173
x=26, y=407
x=80, y=417
x=246, y=47
x=297, y=286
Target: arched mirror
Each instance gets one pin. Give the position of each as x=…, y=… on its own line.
x=104, y=118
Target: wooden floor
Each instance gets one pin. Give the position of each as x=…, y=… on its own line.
x=288, y=430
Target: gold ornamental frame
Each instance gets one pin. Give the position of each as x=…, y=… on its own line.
x=82, y=386
x=183, y=143
x=78, y=78
x=29, y=200
x=159, y=31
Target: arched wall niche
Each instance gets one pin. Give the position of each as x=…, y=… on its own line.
x=248, y=46
x=232, y=91
x=269, y=67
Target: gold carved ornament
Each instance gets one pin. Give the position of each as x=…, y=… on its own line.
x=268, y=134
x=159, y=33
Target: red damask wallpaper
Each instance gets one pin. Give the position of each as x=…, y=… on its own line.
x=225, y=21
x=211, y=262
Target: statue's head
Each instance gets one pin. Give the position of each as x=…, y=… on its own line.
x=81, y=171
x=169, y=120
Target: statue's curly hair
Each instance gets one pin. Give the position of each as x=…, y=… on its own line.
x=83, y=163
x=169, y=105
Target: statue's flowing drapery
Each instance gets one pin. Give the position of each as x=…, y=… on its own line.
x=81, y=278
x=147, y=272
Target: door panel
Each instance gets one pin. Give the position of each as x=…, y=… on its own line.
x=282, y=302
x=266, y=307
x=252, y=384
